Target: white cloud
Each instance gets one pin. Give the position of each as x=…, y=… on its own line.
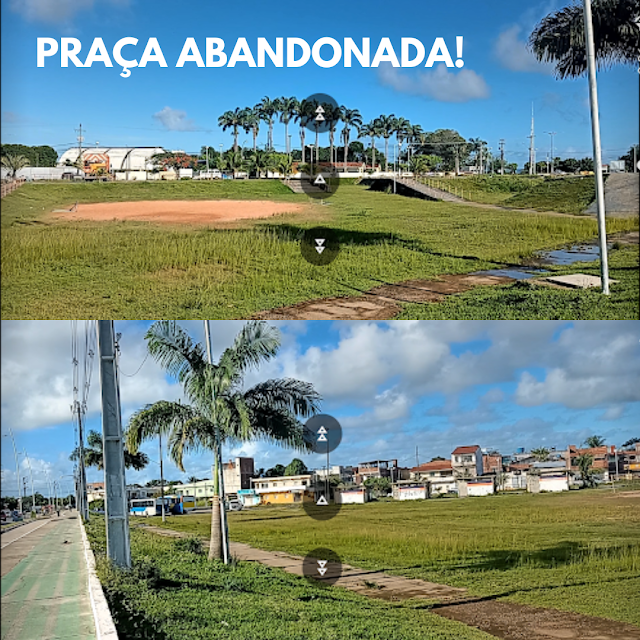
x=437, y=84
x=56, y=11
x=174, y=120
x=513, y=53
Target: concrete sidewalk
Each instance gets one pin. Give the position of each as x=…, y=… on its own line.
x=45, y=596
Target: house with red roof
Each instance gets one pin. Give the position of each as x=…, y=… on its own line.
x=467, y=461
x=439, y=474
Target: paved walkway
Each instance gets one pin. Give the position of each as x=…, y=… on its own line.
x=44, y=583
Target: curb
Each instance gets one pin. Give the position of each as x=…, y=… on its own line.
x=105, y=628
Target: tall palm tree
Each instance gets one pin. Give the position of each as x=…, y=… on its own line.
x=415, y=132
x=251, y=124
x=332, y=115
x=350, y=118
x=387, y=126
x=403, y=132
x=306, y=115
x=478, y=146
x=300, y=116
x=287, y=109
x=267, y=109
x=594, y=441
x=13, y=163
x=585, y=463
x=372, y=131
x=233, y=120
x=94, y=455
x=559, y=37
x=221, y=409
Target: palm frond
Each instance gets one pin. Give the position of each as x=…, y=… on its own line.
x=286, y=394
x=194, y=434
x=153, y=420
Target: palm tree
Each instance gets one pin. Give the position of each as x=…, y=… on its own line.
x=261, y=160
x=559, y=37
x=541, y=454
x=415, y=133
x=594, y=441
x=221, y=409
x=371, y=130
x=284, y=165
x=387, y=126
x=584, y=463
x=268, y=108
x=478, y=146
x=233, y=120
x=13, y=163
x=287, y=108
x=350, y=118
x=251, y=124
x=332, y=115
x=303, y=116
x=233, y=160
x=94, y=455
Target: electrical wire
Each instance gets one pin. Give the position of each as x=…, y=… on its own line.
x=130, y=375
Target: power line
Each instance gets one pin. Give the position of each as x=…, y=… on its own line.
x=130, y=375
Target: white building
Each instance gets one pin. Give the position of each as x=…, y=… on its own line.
x=127, y=159
x=439, y=474
x=467, y=461
x=357, y=495
x=476, y=487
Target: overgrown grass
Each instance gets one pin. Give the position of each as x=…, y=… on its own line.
x=173, y=593
x=578, y=551
x=525, y=299
x=130, y=270
x=569, y=194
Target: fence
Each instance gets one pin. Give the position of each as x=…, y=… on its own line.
x=8, y=187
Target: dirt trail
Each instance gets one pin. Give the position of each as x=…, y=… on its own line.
x=381, y=303
x=505, y=620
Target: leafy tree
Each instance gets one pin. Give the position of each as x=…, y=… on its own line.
x=437, y=459
x=569, y=165
x=94, y=456
x=296, y=468
x=13, y=164
x=446, y=143
x=559, y=37
x=275, y=472
x=283, y=164
x=541, y=454
x=379, y=486
x=594, y=441
x=38, y=156
x=221, y=409
x=585, y=462
x=10, y=502
x=630, y=442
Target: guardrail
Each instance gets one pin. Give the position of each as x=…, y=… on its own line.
x=8, y=187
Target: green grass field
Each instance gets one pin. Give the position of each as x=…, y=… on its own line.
x=133, y=269
x=175, y=593
x=577, y=551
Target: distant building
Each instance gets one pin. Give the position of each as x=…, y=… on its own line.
x=481, y=486
x=410, y=490
x=119, y=158
x=439, y=474
x=377, y=469
x=237, y=475
x=629, y=461
x=345, y=474
x=491, y=462
x=604, y=459
x=355, y=495
x=467, y=461
x=284, y=489
x=548, y=476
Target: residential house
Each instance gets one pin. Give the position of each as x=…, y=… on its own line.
x=491, y=462
x=344, y=474
x=379, y=469
x=604, y=459
x=284, y=489
x=629, y=461
x=439, y=474
x=201, y=490
x=237, y=475
x=467, y=461
x=95, y=491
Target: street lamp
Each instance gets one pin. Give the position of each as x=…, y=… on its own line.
x=15, y=453
x=33, y=495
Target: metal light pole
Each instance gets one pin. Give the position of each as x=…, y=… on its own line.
x=15, y=453
x=33, y=494
x=161, y=477
x=218, y=455
x=551, y=133
x=597, y=151
x=118, y=547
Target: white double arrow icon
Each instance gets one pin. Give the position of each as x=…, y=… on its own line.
x=319, y=245
x=322, y=431
x=322, y=567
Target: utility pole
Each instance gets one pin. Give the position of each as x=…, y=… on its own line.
x=15, y=453
x=76, y=410
x=161, y=477
x=597, y=152
x=218, y=456
x=532, y=151
x=501, y=156
x=417, y=461
x=24, y=487
x=118, y=547
x=33, y=494
x=80, y=139
x=552, y=133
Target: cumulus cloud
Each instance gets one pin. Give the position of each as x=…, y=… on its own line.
x=512, y=52
x=58, y=12
x=174, y=120
x=438, y=83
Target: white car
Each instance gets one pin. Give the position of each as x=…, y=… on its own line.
x=212, y=174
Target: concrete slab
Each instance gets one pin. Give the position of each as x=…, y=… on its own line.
x=578, y=281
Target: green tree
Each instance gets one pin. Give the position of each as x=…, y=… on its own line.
x=233, y=120
x=221, y=409
x=350, y=118
x=446, y=143
x=267, y=109
x=630, y=442
x=379, y=486
x=276, y=471
x=283, y=164
x=296, y=468
x=261, y=161
x=386, y=126
x=559, y=37
x=287, y=108
x=594, y=441
x=13, y=164
x=541, y=454
x=251, y=123
x=584, y=463
x=371, y=130
x=94, y=456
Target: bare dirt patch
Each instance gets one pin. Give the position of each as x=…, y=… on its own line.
x=200, y=212
x=381, y=303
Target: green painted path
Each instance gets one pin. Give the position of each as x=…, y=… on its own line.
x=45, y=596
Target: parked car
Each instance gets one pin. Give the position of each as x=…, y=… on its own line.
x=233, y=505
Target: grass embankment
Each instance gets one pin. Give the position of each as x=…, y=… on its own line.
x=130, y=270
x=578, y=551
x=569, y=194
x=175, y=593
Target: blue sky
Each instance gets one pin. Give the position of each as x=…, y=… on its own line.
x=178, y=108
x=393, y=386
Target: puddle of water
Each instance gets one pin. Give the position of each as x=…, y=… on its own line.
x=516, y=274
x=577, y=253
